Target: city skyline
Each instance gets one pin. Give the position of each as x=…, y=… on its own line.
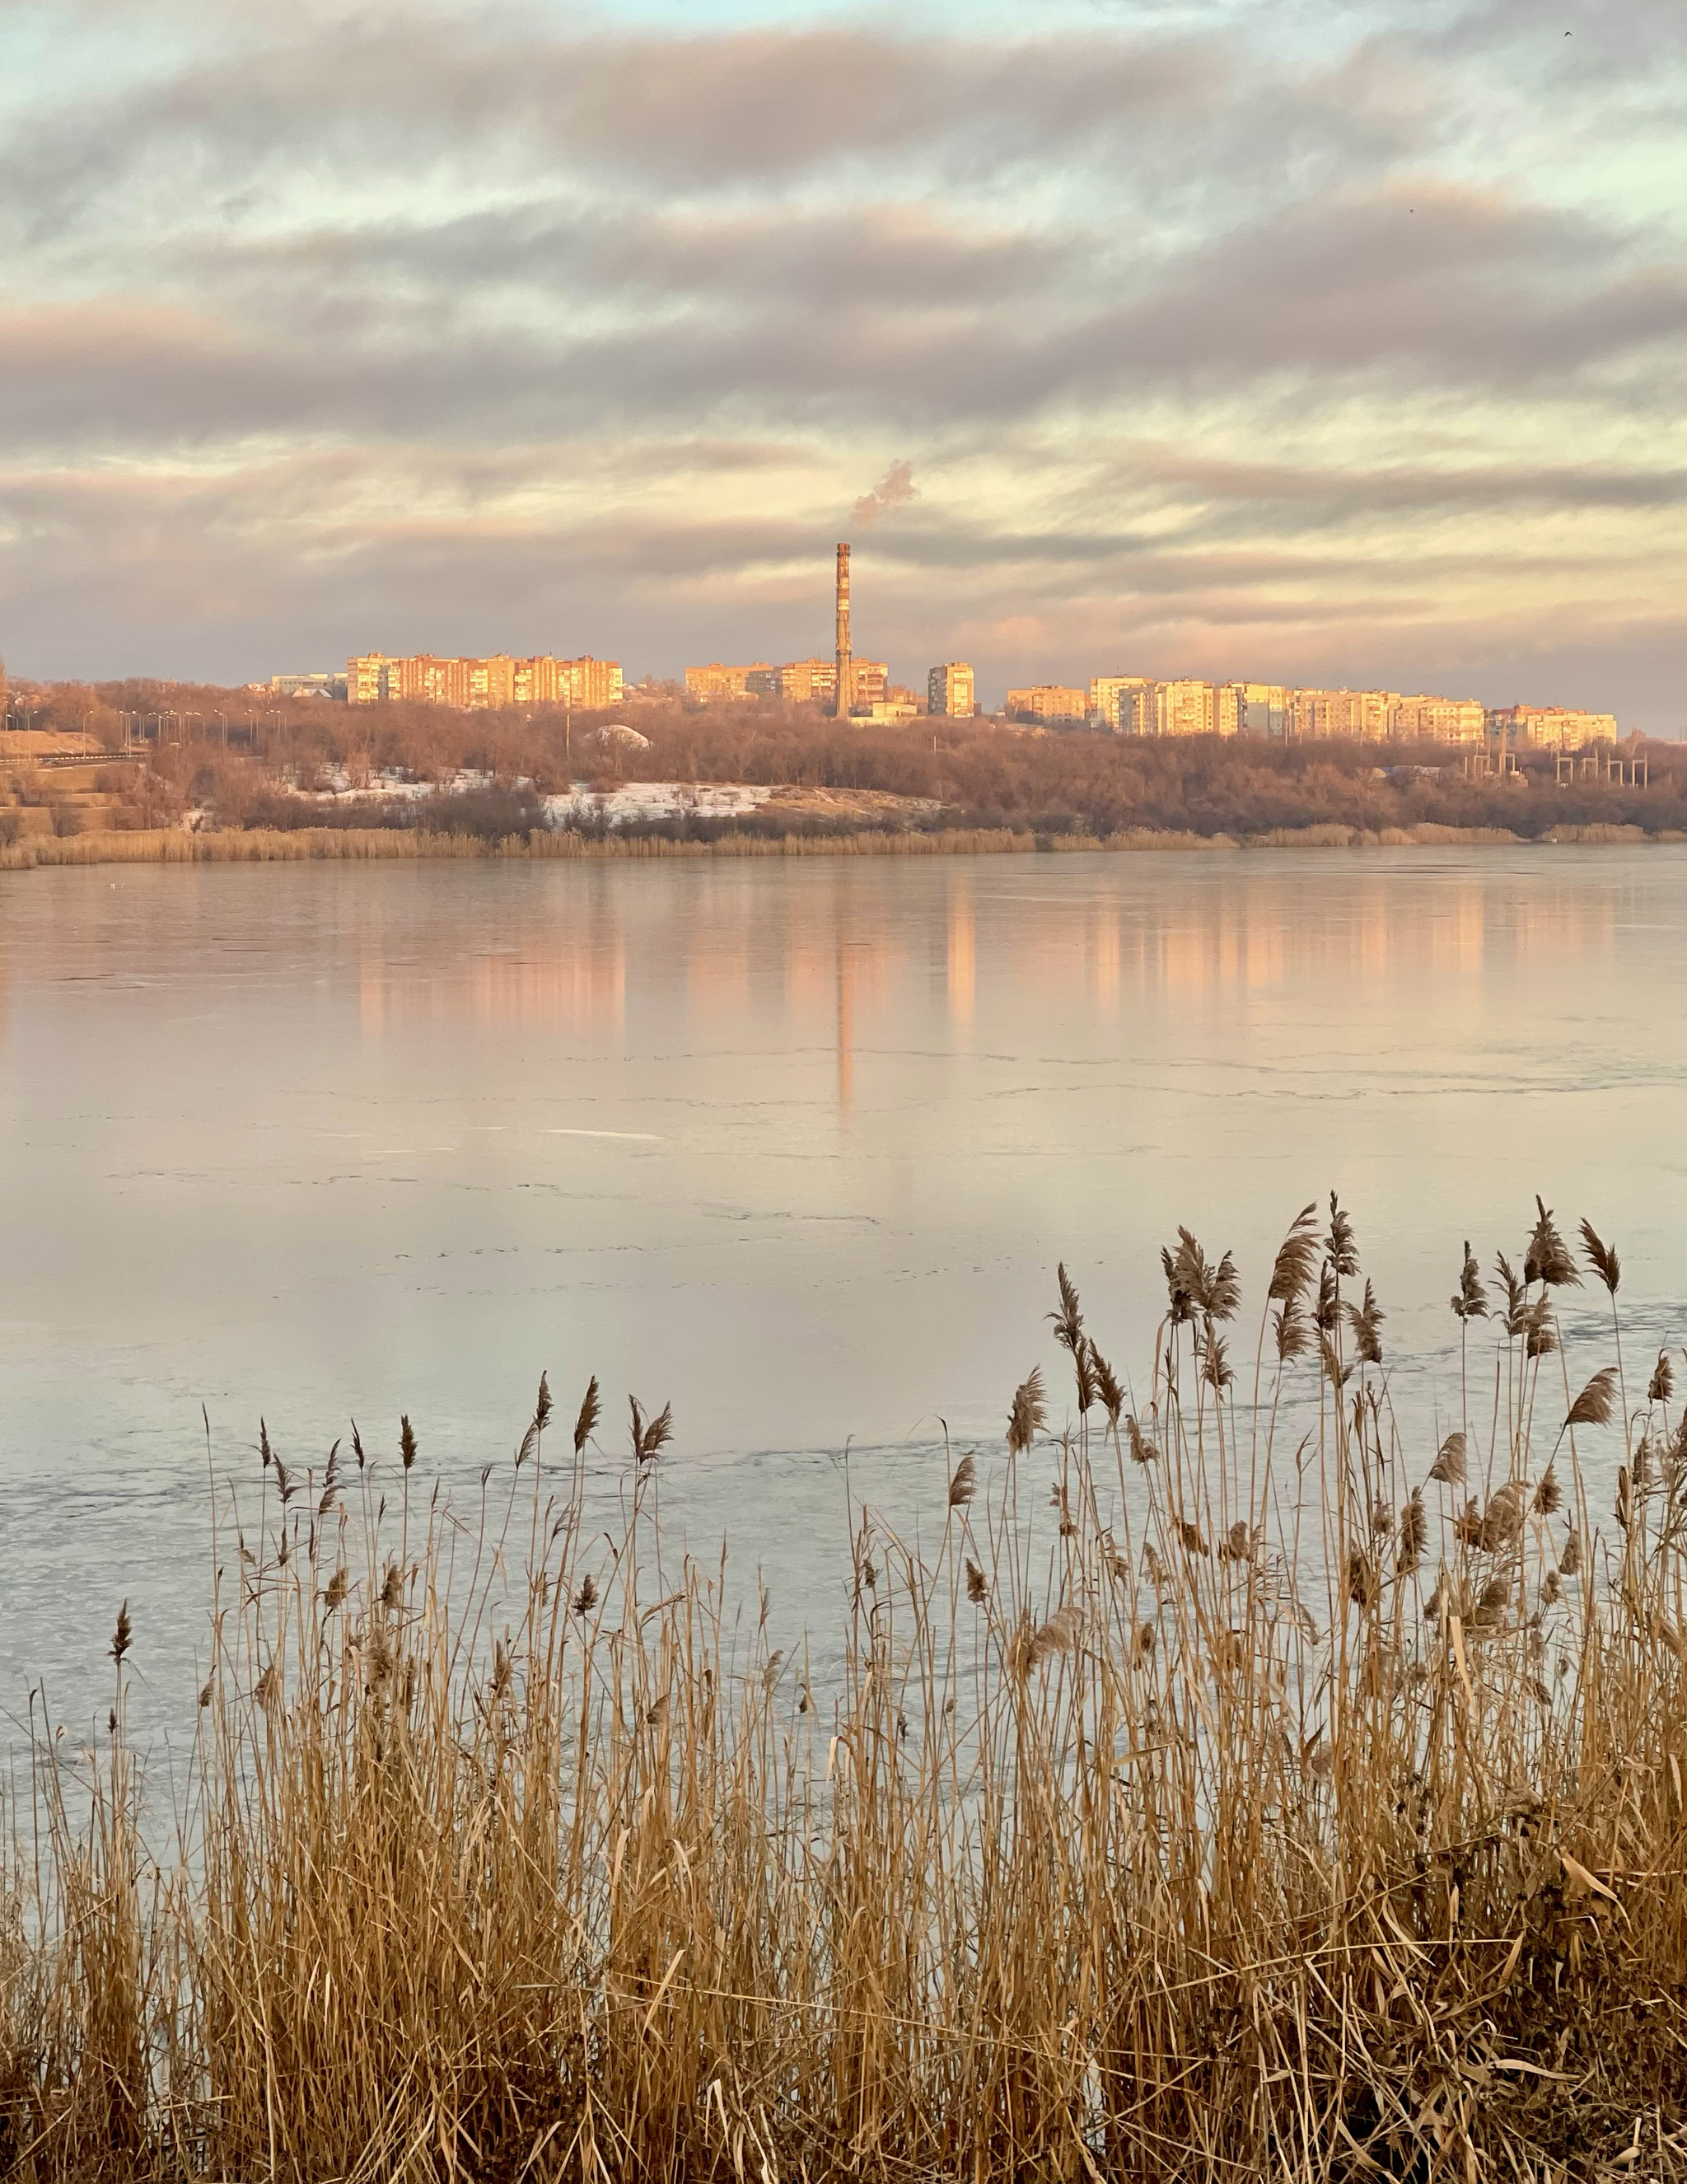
x=1337, y=348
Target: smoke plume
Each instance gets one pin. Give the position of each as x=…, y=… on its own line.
x=894, y=490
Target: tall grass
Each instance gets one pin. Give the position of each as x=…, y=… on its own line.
x=1225, y=1790
x=375, y=845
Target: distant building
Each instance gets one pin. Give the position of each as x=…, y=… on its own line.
x=808, y=682
x=903, y=707
x=1186, y=708
x=1262, y=709
x=308, y=686
x=717, y=684
x=1048, y=701
x=1550, y=728
x=762, y=681
x=1441, y=720
x=378, y=678
x=1123, y=703
x=1352, y=716
x=951, y=689
x=367, y=679
x=870, y=681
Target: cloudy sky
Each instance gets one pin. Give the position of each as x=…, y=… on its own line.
x=1282, y=338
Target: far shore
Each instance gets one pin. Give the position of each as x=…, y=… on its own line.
x=347, y=845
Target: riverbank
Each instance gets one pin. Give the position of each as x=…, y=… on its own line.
x=347, y=845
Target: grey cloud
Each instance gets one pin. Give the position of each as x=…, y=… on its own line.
x=889, y=255
x=1225, y=498
x=1308, y=495
x=1458, y=288
x=428, y=97
x=1424, y=278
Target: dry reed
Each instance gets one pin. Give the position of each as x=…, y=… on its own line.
x=1221, y=1794
x=373, y=845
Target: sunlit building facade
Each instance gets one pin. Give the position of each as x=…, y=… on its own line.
x=808, y=682
x=1350, y=716
x=951, y=689
x=1123, y=703
x=1186, y=707
x=1441, y=720
x=378, y=678
x=1550, y=728
x=717, y=684
x=1048, y=701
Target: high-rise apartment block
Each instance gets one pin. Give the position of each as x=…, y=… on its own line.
x=951, y=689
x=1138, y=705
x=799, y=683
x=1441, y=720
x=474, y=685
x=1191, y=708
x=1123, y=703
x=1048, y=701
x=1550, y=728
x=1353, y=715
x=717, y=684
x=1263, y=708
x=808, y=682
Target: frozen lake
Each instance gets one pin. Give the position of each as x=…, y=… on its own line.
x=795, y=1144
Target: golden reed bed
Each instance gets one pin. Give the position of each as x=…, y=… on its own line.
x=1223, y=1790
x=165, y=845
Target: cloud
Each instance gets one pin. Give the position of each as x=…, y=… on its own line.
x=351, y=324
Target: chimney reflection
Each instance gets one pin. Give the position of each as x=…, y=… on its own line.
x=372, y=997
x=846, y=1025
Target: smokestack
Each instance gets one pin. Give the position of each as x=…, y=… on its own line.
x=846, y=691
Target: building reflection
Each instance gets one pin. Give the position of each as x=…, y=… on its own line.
x=831, y=955
x=578, y=984
x=960, y=968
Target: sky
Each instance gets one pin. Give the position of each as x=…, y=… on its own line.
x=1244, y=338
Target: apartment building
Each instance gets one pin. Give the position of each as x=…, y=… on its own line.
x=474, y=685
x=870, y=681
x=367, y=679
x=808, y=682
x=1441, y=720
x=1186, y=707
x=952, y=690
x=1125, y=703
x=717, y=684
x=1354, y=715
x=1048, y=701
x=1263, y=708
x=1550, y=728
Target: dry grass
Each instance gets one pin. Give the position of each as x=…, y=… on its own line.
x=171, y=845
x=1224, y=1793
x=374, y=845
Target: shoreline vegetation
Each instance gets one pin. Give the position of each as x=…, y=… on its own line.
x=766, y=779
x=357, y=845
x=1223, y=1785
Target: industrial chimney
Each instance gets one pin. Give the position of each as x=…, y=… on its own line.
x=846, y=680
